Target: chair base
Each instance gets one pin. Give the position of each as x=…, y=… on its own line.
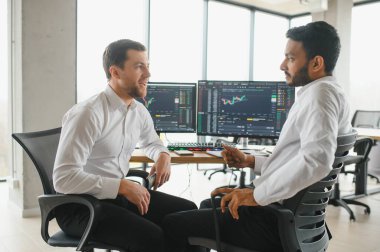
x=344, y=203
x=225, y=170
x=60, y=239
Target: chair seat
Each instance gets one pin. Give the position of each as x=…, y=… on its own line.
x=60, y=239
x=209, y=243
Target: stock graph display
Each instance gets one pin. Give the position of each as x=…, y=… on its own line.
x=243, y=108
x=172, y=106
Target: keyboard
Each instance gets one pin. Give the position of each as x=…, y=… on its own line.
x=206, y=146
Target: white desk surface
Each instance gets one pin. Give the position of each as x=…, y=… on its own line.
x=369, y=132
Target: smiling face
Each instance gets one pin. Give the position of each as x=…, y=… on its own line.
x=295, y=65
x=131, y=80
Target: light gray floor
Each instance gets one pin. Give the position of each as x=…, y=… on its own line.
x=20, y=235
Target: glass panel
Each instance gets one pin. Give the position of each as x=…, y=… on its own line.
x=365, y=52
x=228, y=42
x=100, y=23
x=269, y=45
x=298, y=21
x=176, y=40
x=176, y=46
x=4, y=116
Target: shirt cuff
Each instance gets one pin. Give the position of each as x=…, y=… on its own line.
x=159, y=151
x=259, y=161
x=110, y=188
x=259, y=196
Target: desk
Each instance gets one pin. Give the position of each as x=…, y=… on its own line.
x=198, y=157
x=361, y=178
x=369, y=132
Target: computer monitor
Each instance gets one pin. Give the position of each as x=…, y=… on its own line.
x=172, y=106
x=243, y=108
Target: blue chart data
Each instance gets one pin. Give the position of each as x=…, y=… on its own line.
x=172, y=106
x=243, y=108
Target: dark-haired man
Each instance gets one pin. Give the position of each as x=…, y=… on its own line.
x=97, y=140
x=303, y=155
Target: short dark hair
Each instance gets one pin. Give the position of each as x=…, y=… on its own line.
x=116, y=53
x=318, y=38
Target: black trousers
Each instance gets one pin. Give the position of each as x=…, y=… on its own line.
x=256, y=228
x=121, y=224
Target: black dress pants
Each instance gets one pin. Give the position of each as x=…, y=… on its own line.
x=122, y=225
x=256, y=228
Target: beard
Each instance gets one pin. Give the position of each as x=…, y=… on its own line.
x=137, y=91
x=301, y=78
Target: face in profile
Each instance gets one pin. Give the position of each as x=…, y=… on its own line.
x=295, y=64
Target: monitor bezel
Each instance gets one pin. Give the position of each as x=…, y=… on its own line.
x=235, y=135
x=194, y=106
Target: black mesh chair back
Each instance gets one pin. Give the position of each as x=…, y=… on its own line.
x=41, y=147
x=366, y=119
x=301, y=219
x=309, y=205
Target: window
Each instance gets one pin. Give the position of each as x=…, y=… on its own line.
x=298, y=21
x=100, y=23
x=269, y=45
x=4, y=102
x=365, y=52
x=175, y=51
x=228, y=42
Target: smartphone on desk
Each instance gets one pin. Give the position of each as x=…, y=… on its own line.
x=184, y=152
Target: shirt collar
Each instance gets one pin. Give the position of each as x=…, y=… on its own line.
x=116, y=102
x=326, y=78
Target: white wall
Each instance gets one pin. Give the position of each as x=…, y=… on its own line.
x=43, y=72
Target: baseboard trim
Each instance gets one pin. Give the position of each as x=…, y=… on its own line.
x=32, y=212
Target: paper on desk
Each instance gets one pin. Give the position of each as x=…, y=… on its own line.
x=251, y=152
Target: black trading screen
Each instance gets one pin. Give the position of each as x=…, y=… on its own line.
x=172, y=106
x=243, y=108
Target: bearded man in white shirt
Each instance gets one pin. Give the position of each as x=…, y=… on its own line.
x=97, y=139
x=303, y=155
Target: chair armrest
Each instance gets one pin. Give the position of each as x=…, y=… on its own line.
x=141, y=174
x=364, y=146
x=285, y=218
x=49, y=202
x=286, y=226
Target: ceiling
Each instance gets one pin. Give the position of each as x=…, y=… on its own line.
x=285, y=7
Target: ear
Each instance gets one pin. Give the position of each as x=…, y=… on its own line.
x=114, y=71
x=317, y=64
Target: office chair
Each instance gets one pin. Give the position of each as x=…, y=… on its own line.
x=369, y=119
x=366, y=119
x=42, y=148
x=301, y=219
x=336, y=200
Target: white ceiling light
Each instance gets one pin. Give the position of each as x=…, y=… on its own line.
x=315, y=5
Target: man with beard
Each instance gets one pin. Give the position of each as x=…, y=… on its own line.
x=97, y=140
x=303, y=155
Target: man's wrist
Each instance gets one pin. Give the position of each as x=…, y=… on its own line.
x=165, y=153
x=250, y=159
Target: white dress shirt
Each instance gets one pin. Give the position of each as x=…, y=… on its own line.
x=304, y=153
x=97, y=139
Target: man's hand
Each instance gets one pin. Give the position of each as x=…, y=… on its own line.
x=235, y=198
x=162, y=170
x=236, y=158
x=136, y=194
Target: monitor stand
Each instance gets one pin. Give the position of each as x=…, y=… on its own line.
x=243, y=142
